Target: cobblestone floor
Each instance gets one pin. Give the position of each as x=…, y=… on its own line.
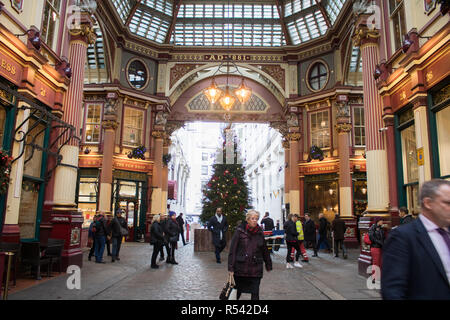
x=199, y=277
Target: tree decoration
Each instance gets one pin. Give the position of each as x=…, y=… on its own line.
x=137, y=153
x=227, y=189
x=315, y=153
x=5, y=170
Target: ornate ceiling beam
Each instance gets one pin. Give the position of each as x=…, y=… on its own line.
x=176, y=9
x=283, y=24
x=132, y=12
x=324, y=13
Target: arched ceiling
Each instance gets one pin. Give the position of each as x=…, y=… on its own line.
x=240, y=23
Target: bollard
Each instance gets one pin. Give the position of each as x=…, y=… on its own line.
x=187, y=232
x=8, y=272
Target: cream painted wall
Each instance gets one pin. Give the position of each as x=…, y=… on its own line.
x=417, y=18
x=31, y=15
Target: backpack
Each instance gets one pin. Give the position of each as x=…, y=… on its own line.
x=367, y=239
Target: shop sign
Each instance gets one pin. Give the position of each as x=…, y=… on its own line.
x=222, y=57
x=10, y=69
x=135, y=166
x=90, y=162
x=320, y=169
x=420, y=157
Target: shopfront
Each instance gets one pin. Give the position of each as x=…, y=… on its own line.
x=88, y=194
x=321, y=195
x=407, y=162
x=130, y=194
x=439, y=115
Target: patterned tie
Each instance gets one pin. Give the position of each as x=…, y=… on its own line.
x=446, y=237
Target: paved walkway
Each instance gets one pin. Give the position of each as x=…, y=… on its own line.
x=199, y=277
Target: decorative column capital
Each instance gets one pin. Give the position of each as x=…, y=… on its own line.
x=110, y=124
x=364, y=36
x=83, y=31
x=294, y=136
x=343, y=127
x=285, y=143
x=158, y=134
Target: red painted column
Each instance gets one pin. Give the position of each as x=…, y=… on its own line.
x=376, y=155
x=67, y=220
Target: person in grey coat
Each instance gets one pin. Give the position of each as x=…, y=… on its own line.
x=218, y=226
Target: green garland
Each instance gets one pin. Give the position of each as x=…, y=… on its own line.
x=5, y=170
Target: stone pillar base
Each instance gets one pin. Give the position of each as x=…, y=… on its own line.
x=10, y=233
x=351, y=234
x=67, y=224
x=365, y=257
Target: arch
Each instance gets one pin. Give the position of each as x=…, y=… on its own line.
x=180, y=112
x=200, y=73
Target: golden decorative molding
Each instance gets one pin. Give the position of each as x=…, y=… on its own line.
x=294, y=136
x=285, y=144
x=365, y=35
x=85, y=31
x=110, y=124
x=343, y=127
x=158, y=134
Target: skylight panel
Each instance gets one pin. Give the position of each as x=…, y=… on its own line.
x=123, y=9
x=162, y=6
x=149, y=26
x=293, y=6
x=333, y=8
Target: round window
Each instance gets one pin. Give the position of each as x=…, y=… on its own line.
x=318, y=76
x=137, y=74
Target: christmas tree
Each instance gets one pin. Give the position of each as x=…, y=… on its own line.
x=227, y=187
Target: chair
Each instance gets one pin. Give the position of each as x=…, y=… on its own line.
x=54, y=251
x=15, y=248
x=31, y=255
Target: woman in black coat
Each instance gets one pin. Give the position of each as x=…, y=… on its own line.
x=157, y=239
x=248, y=252
x=173, y=232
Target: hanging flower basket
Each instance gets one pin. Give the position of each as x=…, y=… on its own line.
x=137, y=153
x=166, y=159
x=315, y=154
x=5, y=170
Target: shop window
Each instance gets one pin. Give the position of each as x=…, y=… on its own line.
x=50, y=21
x=133, y=128
x=359, y=132
x=409, y=160
x=87, y=198
x=320, y=129
x=93, y=123
x=440, y=124
x=322, y=197
x=2, y=123
x=28, y=208
x=318, y=76
x=36, y=135
x=397, y=12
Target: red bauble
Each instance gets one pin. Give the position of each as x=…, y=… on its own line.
x=234, y=180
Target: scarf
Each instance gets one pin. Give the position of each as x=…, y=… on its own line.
x=252, y=230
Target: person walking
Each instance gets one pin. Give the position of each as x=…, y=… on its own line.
x=173, y=232
x=404, y=215
x=338, y=227
x=116, y=226
x=267, y=222
x=181, y=224
x=301, y=238
x=156, y=239
x=91, y=237
x=310, y=233
x=163, y=224
x=323, y=230
x=416, y=256
x=376, y=236
x=248, y=252
x=218, y=226
x=291, y=233
x=101, y=232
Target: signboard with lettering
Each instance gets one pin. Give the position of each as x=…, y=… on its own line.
x=10, y=69
x=321, y=169
x=420, y=157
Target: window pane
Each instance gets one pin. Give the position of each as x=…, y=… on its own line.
x=36, y=136
x=443, y=133
x=409, y=155
x=133, y=127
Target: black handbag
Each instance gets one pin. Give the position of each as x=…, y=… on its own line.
x=227, y=288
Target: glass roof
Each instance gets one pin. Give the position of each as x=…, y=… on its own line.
x=258, y=23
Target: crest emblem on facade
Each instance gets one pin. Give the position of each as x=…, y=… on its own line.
x=18, y=5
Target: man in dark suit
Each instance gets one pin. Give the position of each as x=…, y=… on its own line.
x=218, y=225
x=416, y=258
x=338, y=227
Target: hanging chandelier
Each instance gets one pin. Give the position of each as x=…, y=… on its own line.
x=227, y=98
